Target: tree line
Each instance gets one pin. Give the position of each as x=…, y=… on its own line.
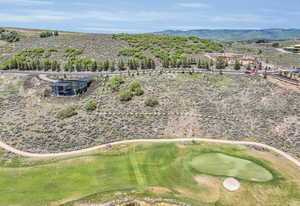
x=76, y=65
x=32, y=64
x=46, y=34
x=88, y=64
x=9, y=36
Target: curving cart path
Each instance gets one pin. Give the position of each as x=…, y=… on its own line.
x=28, y=154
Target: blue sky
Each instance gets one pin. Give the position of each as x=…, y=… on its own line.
x=138, y=16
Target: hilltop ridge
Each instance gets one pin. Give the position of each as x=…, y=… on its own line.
x=237, y=34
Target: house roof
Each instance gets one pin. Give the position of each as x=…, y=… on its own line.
x=247, y=59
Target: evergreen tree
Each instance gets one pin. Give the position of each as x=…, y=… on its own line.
x=237, y=65
x=199, y=64
x=184, y=62
x=165, y=62
x=121, y=65
x=178, y=63
x=106, y=65
x=94, y=66
x=207, y=66
x=112, y=66
x=221, y=64
x=99, y=66
x=152, y=64
x=143, y=63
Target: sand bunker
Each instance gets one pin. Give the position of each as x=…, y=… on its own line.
x=231, y=184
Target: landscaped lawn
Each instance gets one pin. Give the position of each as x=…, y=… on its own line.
x=28, y=182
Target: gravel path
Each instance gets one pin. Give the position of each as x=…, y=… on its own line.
x=27, y=154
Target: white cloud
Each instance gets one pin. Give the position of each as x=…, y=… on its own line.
x=27, y=2
x=30, y=16
x=193, y=5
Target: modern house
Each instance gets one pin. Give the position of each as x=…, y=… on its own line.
x=294, y=49
x=228, y=57
x=70, y=87
x=247, y=60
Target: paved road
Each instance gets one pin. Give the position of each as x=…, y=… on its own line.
x=28, y=154
x=91, y=74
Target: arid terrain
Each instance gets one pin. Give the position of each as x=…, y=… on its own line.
x=170, y=88
x=190, y=105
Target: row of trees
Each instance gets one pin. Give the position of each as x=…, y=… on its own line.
x=87, y=64
x=46, y=34
x=34, y=64
x=83, y=64
x=185, y=62
x=9, y=36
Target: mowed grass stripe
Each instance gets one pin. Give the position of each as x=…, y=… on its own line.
x=140, y=177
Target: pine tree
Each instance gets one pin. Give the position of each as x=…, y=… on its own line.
x=13, y=64
x=184, y=62
x=152, y=63
x=165, y=62
x=53, y=66
x=143, y=63
x=237, y=65
x=136, y=64
x=178, y=63
x=106, y=65
x=112, y=66
x=121, y=65
x=132, y=64
x=199, y=64
x=207, y=66
x=221, y=64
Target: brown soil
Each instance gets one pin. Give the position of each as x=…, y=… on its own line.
x=211, y=186
x=284, y=85
x=2, y=42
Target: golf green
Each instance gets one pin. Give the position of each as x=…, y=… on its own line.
x=224, y=165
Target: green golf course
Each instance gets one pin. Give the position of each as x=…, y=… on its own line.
x=168, y=166
x=225, y=165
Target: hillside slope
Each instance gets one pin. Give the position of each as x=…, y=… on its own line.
x=198, y=105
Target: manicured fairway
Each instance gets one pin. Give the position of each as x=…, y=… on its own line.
x=164, y=166
x=225, y=165
x=86, y=175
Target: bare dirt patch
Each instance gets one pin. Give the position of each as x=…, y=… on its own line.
x=158, y=190
x=2, y=42
x=208, y=190
x=284, y=85
x=211, y=185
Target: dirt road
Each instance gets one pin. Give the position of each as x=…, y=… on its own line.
x=28, y=154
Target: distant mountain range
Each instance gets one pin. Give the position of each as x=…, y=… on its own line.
x=237, y=35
